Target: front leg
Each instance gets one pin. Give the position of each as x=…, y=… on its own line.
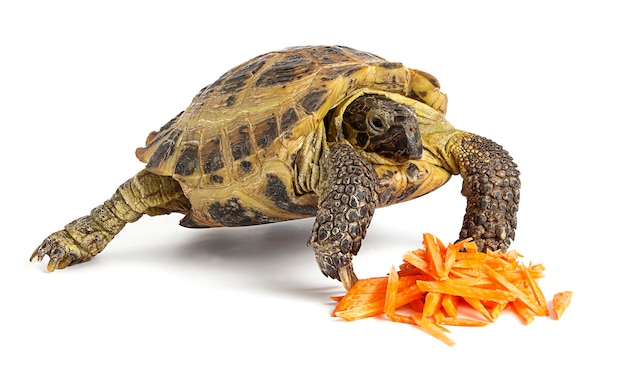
x=491, y=185
x=346, y=206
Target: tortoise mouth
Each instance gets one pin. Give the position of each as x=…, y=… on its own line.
x=397, y=145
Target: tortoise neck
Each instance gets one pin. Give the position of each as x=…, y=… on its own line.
x=308, y=177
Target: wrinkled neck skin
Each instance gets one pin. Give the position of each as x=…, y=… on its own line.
x=308, y=175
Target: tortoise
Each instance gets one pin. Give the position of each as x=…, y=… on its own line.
x=328, y=132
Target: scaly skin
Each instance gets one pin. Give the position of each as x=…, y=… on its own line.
x=491, y=185
x=345, y=210
x=85, y=237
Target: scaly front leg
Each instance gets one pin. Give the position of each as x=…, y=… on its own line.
x=346, y=207
x=491, y=185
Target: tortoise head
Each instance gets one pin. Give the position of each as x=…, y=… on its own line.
x=377, y=124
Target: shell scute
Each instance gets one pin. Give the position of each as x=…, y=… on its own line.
x=211, y=156
x=265, y=132
x=240, y=145
x=313, y=100
x=288, y=119
x=236, y=79
x=291, y=67
x=165, y=149
x=187, y=163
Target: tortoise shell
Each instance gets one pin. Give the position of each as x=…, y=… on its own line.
x=246, y=150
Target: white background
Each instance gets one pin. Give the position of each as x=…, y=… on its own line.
x=82, y=85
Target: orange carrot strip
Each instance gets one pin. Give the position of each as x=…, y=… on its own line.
x=459, y=245
x=401, y=318
x=510, y=256
x=523, y=311
x=449, y=306
x=513, y=275
x=560, y=302
x=367, y=309
x=513, y=289
x=451, y=288
x=470, y=247
x=365, y=299
x=406, y=267
x=498, y=309
x=364, y=290
x=500, y=264
x=420, y=316
x=476, y=257
x=438, y=316
x=432, y=303
x=392, y=293
x=418, y=262
x=458, y=321
x=432, y=329
x=417, y=305
x=450, y=259
x=478, y=306
x=432, y=249
x=536, y=291
x=408, y=294
x=442, y=247
x=461, y=280
x=408, y=280
x=537, y=268
x=466, y=273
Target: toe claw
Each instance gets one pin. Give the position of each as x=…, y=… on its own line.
x=39, y=253
x=61, y=249
x=347, y=276
x=52, y=265
x=35, y=257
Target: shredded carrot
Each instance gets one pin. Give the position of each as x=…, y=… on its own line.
x=560, y=302
x=536, y=291
x=462, y=290
x=459, y=321
x=479, y=307
x=432, y=283
x=496, y=310
x=391, y=295
x=432, y=303
x=434, y=253
x=432, y=329
x=523, y=312
x=448, y=304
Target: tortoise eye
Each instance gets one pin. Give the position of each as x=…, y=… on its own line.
x=377, y=124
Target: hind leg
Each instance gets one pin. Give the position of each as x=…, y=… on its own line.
x=85, y=237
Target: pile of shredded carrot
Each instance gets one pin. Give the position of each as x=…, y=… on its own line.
x=452, y=285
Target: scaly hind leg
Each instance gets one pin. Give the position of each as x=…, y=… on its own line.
x=85, y=237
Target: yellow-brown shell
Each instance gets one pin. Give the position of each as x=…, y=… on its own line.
x=246, y=130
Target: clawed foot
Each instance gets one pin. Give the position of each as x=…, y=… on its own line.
x=62, y=250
